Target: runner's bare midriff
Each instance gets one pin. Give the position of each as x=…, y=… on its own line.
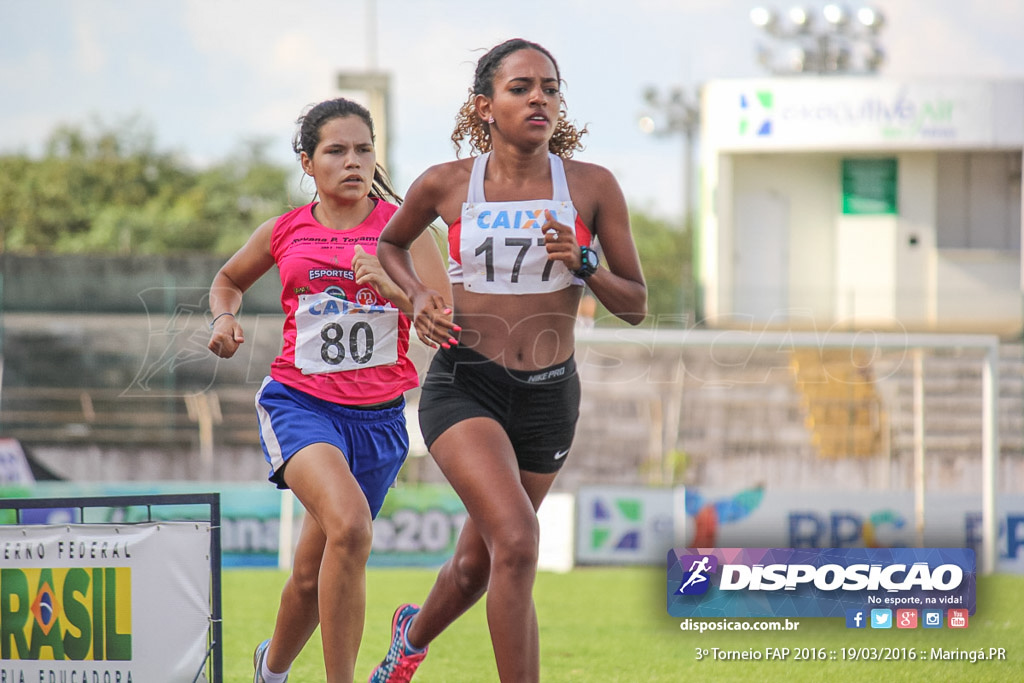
x=509, y=331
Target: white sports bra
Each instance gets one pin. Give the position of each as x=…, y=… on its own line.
x=498, y=247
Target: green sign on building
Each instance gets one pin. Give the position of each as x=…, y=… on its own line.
x=869, y=186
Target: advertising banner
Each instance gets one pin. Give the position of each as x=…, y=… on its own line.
x=817, y=582
x=853, y=113
x=14, y=468
x=104, y=602
x=758, y=517
x=250, y=513
x=417, y=526
x=625, y=524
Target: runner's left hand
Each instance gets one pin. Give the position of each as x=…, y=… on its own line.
x=368, y=271
x=560, y=241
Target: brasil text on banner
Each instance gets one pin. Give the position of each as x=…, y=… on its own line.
x=110, y=602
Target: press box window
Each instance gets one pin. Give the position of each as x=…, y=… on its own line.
x=869, y=186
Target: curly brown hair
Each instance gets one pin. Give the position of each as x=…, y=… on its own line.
x=477, y=133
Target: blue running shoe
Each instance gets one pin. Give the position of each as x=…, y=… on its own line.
x=400, y=664
x=257, y=661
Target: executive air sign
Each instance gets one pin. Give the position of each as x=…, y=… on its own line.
x=104, y=602
x=854, y=113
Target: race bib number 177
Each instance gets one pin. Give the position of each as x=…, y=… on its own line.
x=333, y=335
x=502, y=247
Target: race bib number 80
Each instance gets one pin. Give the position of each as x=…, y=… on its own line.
x=333, y=335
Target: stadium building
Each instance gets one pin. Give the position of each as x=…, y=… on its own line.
x=851, y=202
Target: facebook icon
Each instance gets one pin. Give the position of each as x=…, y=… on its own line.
x=856, y=618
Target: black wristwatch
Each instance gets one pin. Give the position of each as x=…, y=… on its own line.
x=589, y=263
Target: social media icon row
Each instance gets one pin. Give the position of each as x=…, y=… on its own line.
x=905, y=618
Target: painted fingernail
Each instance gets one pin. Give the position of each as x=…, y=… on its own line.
x=445, y=346
x=453, y=342
x=457, y=328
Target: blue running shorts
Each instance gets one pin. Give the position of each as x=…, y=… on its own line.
x=374, y=441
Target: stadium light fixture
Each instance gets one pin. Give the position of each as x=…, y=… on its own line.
x=827, y=41
x=869, y=18
x=835, y=15
x=762, y=17
x=800, y=18
x=668, y=114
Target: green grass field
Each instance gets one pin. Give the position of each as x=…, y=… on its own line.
x=611, y=625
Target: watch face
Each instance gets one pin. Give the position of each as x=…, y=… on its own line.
x=589, y=264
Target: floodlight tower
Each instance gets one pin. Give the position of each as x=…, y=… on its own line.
x=669, y=114
x=831, y=41
x=677, y=112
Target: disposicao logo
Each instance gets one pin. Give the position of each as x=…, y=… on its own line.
x=817, y=582
x=697, y=579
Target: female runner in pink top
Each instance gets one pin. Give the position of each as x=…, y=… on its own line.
x=331, y=413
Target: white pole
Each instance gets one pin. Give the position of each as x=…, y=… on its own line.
x=919, y=446
x=989, y=457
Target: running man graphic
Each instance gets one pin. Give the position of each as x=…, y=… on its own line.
x=696, y=579
x=697, y=570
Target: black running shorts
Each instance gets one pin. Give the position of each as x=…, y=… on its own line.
x=538, y=409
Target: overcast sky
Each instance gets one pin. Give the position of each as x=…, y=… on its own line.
x=206, y=75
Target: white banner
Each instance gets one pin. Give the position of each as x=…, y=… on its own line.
x=624, y=524
x=790, y=114
x=104, y=602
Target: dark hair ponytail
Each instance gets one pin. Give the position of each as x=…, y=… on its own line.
x=307, y=137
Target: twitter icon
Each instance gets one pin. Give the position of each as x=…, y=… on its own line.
x=881, y=618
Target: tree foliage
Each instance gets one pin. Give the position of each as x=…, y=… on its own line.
x=109, y=190
x=665, y=256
